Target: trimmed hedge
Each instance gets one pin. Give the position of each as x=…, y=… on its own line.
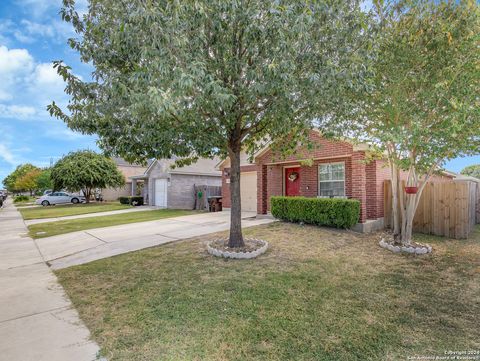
x=331, y=212
x=130, y=200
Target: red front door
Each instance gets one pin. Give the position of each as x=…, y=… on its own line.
x=292, y=181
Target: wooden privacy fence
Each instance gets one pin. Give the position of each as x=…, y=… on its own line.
x=449, y=209
x=202, y=193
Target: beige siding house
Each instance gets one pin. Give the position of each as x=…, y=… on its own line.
x=128, y=170
x=173, y=187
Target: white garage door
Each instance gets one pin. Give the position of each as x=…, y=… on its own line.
x=248, y=191
x=161, y=193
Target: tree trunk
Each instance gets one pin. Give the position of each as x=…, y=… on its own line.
x=236, y=237
x=411, y=204
x=407, y=224
x=395, y=194
x=86, y=193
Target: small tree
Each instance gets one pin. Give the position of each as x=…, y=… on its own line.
x=425, y=107
x=29, y=181
x=472, y=171
x=10, y=182
x=211, y=77
x=86, y=170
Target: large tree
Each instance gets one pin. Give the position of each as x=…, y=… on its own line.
x=202, y=78
x=86, y=170
x=424, y=108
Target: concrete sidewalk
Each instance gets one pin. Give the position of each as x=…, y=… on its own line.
x=89, y=215
x=85, y=246
x=37, y=321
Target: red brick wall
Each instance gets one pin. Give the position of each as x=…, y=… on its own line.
x=362, y=181
x=274, y=180
x=324, y=148
x=371, y=189
x=383, y=173
x=359, y=179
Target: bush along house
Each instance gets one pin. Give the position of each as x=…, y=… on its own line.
x=332, y=169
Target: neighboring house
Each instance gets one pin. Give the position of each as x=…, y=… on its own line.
x=331, y=169
x=128, y=170
x=167, y=187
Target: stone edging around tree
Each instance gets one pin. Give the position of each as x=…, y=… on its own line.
x=420, y=249
x=238, y=255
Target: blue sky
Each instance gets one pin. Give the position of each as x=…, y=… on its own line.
x=32, y=35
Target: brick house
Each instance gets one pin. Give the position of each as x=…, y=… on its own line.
x=331, y=169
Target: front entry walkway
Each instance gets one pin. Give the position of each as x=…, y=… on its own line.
x=37, y=320
x=85, y=246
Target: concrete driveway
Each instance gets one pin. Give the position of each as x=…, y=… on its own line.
x=85, y=246
x=37, y=320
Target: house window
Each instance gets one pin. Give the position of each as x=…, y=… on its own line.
x=331, y=180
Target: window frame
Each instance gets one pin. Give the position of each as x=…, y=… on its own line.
x=319, y=181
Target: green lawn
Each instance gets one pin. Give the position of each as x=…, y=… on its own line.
x=48, y=229
x=70, y=210
x=317, y=294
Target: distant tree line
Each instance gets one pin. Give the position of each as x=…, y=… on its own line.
x=83, y=170
x=28, y=178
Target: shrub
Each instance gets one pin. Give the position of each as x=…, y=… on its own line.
x=134, y=201
x=331, y=212
x=21, y=198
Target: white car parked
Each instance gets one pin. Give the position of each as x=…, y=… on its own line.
x=59, y=198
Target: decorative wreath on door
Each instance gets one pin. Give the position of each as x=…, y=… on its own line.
x=292, y=176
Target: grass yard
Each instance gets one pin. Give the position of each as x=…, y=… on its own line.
x=70, y=210
x=48, y=229
x=317, y=294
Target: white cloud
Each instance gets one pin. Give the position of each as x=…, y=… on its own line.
x=47, y=28
x=56, y=30
x=38, y=8
x=46, y=75
x=46, y=85
x=16, y=111
x=15, y=67
x=7, y=155
x=27, y=87
x=59, y=131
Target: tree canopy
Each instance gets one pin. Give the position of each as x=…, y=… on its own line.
x=28, y=181
x=472, y=171
x=211, y=77
x=44, y=181
x=423, y=107
x=86, y=170
x=10, y=182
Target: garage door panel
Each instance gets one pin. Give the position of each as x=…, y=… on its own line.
x=161, y=193
x=248, y=191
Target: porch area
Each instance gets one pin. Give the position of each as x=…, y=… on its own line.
x=140, y=187
x=343, y=177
